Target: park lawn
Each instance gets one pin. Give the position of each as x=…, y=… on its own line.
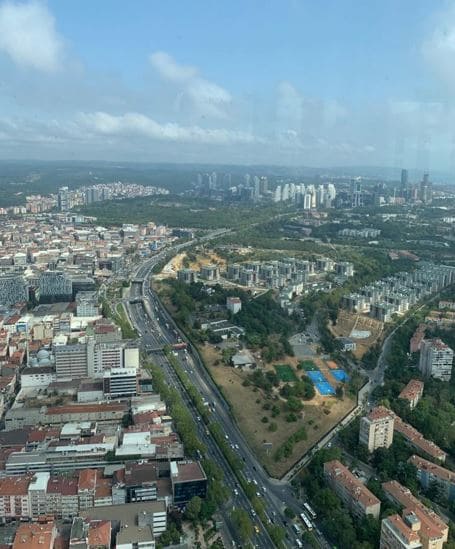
x=308, y=365
x=247, y=409
x=285, y=372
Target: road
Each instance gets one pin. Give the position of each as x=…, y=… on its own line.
x=154, y=337
x=157, y=329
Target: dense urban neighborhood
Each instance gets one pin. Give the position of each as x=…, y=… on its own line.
x=200, y=385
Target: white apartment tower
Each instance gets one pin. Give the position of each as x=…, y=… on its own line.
x=436, y=359
x=376, y=429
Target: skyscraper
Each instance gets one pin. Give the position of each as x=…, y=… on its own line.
x=63, y=199
x=264, y=184
x=277, y=194
x=404, y=182
x=426, y=189
x=356, y=194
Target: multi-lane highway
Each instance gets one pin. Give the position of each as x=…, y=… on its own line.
x=153, y=337
x=157, y=329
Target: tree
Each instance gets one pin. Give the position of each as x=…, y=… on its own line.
x=294, y=404
x=243, y=523
x=193, y=508
x=277, y=534
x=289, y=513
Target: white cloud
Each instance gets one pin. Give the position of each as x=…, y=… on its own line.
x=136, y=124
x=438, y=48
x=208, y=98
x=28, y=35
x=170, y=69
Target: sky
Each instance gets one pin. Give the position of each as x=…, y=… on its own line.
x=287, y=82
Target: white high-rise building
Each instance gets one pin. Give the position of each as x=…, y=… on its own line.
x=292, y=191
x=285, y=192
x=307, y=200
x=376, y=429
x=436, y=359
x=277, y=194
x=331, y=191
x=320, y=194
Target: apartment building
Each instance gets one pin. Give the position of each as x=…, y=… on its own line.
x=413, y=392
x=30, y=496
x=35, y=536
x=14, y=498
x=429, y=473
x=376, y=429
x=62, y=497
x=90, y=534
x=433, y=531
x=368, y=434
x=416, y=440
x=135, y=525
x=37, y=490
x=436, y=359
x=352, y=492
x=86, y=488
x=400, y=533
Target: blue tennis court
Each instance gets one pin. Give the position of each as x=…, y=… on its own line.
x=324, y=388
x=340, y=375
x=316, y=376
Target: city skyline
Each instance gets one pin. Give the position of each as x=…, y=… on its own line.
x=290, y=83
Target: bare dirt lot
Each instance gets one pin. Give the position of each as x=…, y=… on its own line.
x=320, y=414
x=180, y=261
x=348, y=321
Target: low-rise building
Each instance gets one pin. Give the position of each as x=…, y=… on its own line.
x=429, y=473
x=188, y=480
x=352, y=492
x=134, y=525
x=412, y=392
x=35, y=536
x=400, y=533
x=434, y=531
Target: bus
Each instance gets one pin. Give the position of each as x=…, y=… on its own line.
x=306, y=521
x=309, y=509
x=179, y=346
x=297, y=529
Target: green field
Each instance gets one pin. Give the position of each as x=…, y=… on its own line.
x=308, y=365
x=285, y=372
